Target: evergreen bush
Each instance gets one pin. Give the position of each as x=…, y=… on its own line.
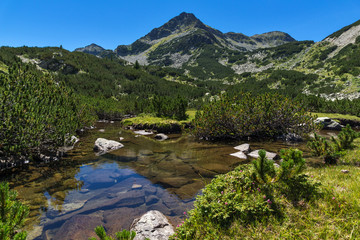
x=12, y=214
x=263, y=116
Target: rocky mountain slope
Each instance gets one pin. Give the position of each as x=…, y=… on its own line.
x=180, y=39
x=330, y=67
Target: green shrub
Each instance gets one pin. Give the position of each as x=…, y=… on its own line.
x=331, y=151
x=345, y=138
x=123, y=235
x=12, y=214
x=250, y=195
x=36, y=112
x=318, y=145
x=264, y=170
x=263, y=116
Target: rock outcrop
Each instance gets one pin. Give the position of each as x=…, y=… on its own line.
x=103, y=145
x=153, y=225
x=329, y=124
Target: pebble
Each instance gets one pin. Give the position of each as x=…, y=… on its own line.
x=136, y=186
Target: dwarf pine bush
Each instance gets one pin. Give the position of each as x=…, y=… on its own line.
x=12, y=214
x=263, y=116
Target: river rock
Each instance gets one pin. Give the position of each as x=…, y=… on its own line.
x=245, y=148
x=161, y=137
x=121, y=218
x=153, y=225
x=240, y=155
x=291, y=137
x=189, y=190
x=103, y=145
x=146, y=152
x=173, y=181
x=269, y=155
x=161, y=207
x=151, y=200
x=329, y=124
x=143, y=132
x=79, y=227
x=136, y=186
x=71, y=141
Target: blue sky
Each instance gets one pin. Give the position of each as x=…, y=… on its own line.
x=76, y=23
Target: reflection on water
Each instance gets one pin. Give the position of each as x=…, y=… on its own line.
x=70, y=198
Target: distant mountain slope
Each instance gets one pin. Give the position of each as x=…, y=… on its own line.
x=330, y=67
x=175, y=42
x=91, y=49
x=182, y=38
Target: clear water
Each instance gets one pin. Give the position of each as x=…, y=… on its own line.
x=69, y=198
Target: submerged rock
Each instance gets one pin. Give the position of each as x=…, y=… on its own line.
x=143, y=132
x=153, y=225
x=291, y=137
x=80, y=227
x=161, y=137
x=103, y=145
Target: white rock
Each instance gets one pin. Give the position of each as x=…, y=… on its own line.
x=136, y=186
x=143, y=132
x=240, y=155
x=153, y=225
x=245, y=148
x=103, y=145
x=161, y=137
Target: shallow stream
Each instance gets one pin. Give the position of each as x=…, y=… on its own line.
x=69, y=198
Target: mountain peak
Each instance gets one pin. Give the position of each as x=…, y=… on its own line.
x=175, y=24
x=92, y=49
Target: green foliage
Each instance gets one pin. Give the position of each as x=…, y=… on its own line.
x=318, y=145
x=123, y=235
x=331, y=151
x=249, y=196
x=345, y=138
x=347, y=60
x=318, y=104
x=344, y=29
x=324, y=54
x=36, y=112
x=168, y=107
x=262, y=116
x=264, y=170
x=292, y=164
x=136, y=65
x=289, y=49
x=12, y=214
x=208, y=65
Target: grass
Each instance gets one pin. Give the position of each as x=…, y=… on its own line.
x=148, y=121
x=334, y=214
x=3, y=67
x=352, y=157
x=337, y=116
x=151, y=120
